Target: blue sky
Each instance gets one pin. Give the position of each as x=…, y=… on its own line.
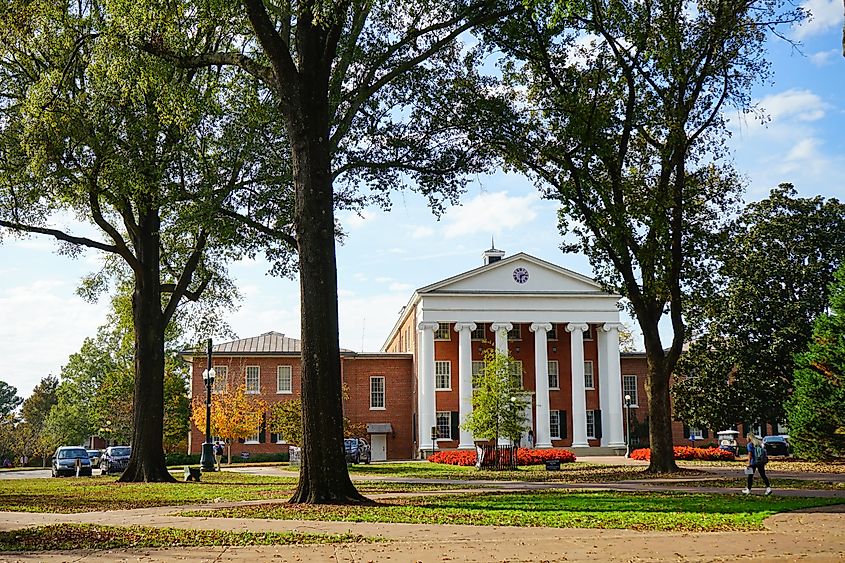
x=389, y=254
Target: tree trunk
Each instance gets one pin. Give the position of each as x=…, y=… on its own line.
x=147, y=463
x=323, y=476
x=659, y=405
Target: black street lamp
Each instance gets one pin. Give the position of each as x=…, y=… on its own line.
x=628, y=425
x=207, y=459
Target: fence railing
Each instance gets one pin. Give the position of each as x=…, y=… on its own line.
x=495, y=457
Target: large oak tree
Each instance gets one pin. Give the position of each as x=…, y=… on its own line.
x=368, y=97
x=617, y=110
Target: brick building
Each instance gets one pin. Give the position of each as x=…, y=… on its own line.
x=560, y=326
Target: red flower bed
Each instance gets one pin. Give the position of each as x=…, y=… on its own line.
x=688, y=453
x=524, y=456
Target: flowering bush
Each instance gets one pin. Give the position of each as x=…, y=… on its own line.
x=688, y=453
x=524, y=456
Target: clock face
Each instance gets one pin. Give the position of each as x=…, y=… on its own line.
x=520, y=275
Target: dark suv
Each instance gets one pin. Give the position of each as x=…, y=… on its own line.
x=115, y=459
x=67, y=458
x=357, y=450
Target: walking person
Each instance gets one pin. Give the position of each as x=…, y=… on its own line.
x=218, y=454
x=757, y=459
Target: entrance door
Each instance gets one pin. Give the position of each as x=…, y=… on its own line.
x=378, y=447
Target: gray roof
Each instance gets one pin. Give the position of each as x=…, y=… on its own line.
x=269, y=343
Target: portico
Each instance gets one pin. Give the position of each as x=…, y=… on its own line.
x=561, y=326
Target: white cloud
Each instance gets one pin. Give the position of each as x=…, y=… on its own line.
x=421, y=232
x=824, y=15
x=354, y=221
x=803, y=150
x=366, y=321
x=490, y=213
x=824, y=58
x=396, y=286
x=802, y=105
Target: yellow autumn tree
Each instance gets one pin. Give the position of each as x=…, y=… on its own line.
x=235, y=414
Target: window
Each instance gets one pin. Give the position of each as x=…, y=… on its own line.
x=588, y=375
x=377, y=392
x=552, y=334
x=442, y=332
x=591, y=424
x=478, y=333
x=515, y=333
x=516, y=369
x=255, y=438
x=554, y=424
x=696, y=434
x=477, y=369
x=444, y=425
x=221, y=379
x=253, y=379
x=443, y=375
x=277, y=438
x=588, y=334
x=629, y=387
x=284, y=380
x=554, y=379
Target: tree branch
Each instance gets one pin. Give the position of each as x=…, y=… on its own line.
x=60, y=235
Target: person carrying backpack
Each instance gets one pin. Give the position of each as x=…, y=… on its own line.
x=757, y=459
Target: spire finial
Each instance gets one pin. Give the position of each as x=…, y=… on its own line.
x=492, y=242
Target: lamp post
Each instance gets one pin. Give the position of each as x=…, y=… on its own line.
x=207, y=459
x=628, y=425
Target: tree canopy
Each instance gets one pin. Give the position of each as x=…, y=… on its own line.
x=816, y=416
x=776, y=262
x=9, y=400
x=498, y=399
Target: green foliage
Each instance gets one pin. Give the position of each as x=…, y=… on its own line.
x=499, y=400
x=815, y=411
x=776, y=262
x=286, y=420
x=9, y=400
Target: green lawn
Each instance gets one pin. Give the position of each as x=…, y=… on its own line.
x=636, y=511
x=88, y=536
x=739, y=483
x=87, y=494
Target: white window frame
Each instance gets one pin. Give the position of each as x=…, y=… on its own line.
x=695, y=433
x=480, y=332
x=554, y=419
x=627, y=389
x=374, y=393
x=588, y=334
x=442, y=332
x=591, y=423
x=556, y=375
x=442, y=368
x=221, y=379
x=552, y=334
x=515, y=333
x=476, y=370
x=592, y=373
x=279, y=438
x=448, y=416
x=257, y=378
x=279, y=371
x=255, y=438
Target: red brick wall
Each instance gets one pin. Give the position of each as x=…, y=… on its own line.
x=356, y=373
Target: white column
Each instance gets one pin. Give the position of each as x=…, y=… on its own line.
x=610, y=379
x=426, y=406
x=501, y=331
x=464, y=331
x=579, y=398
x=541, y=384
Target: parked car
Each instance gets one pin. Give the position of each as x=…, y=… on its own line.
x=357, y=450
x=115, y=459
x=94, y=456
x=776, y=445
x=66, y=459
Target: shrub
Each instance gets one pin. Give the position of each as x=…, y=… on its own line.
x=524, y=456
x=194, y=459
x=688, y=453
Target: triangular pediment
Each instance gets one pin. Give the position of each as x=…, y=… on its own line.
x=520, y=273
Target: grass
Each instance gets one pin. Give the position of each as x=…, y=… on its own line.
x=86, y=494
x=739, y=483
x=88, y=536
x=601, y=509
x=569, y=472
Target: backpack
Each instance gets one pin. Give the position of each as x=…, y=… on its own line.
x=760, y=455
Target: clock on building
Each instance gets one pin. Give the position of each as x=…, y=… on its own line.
x=520, y=275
